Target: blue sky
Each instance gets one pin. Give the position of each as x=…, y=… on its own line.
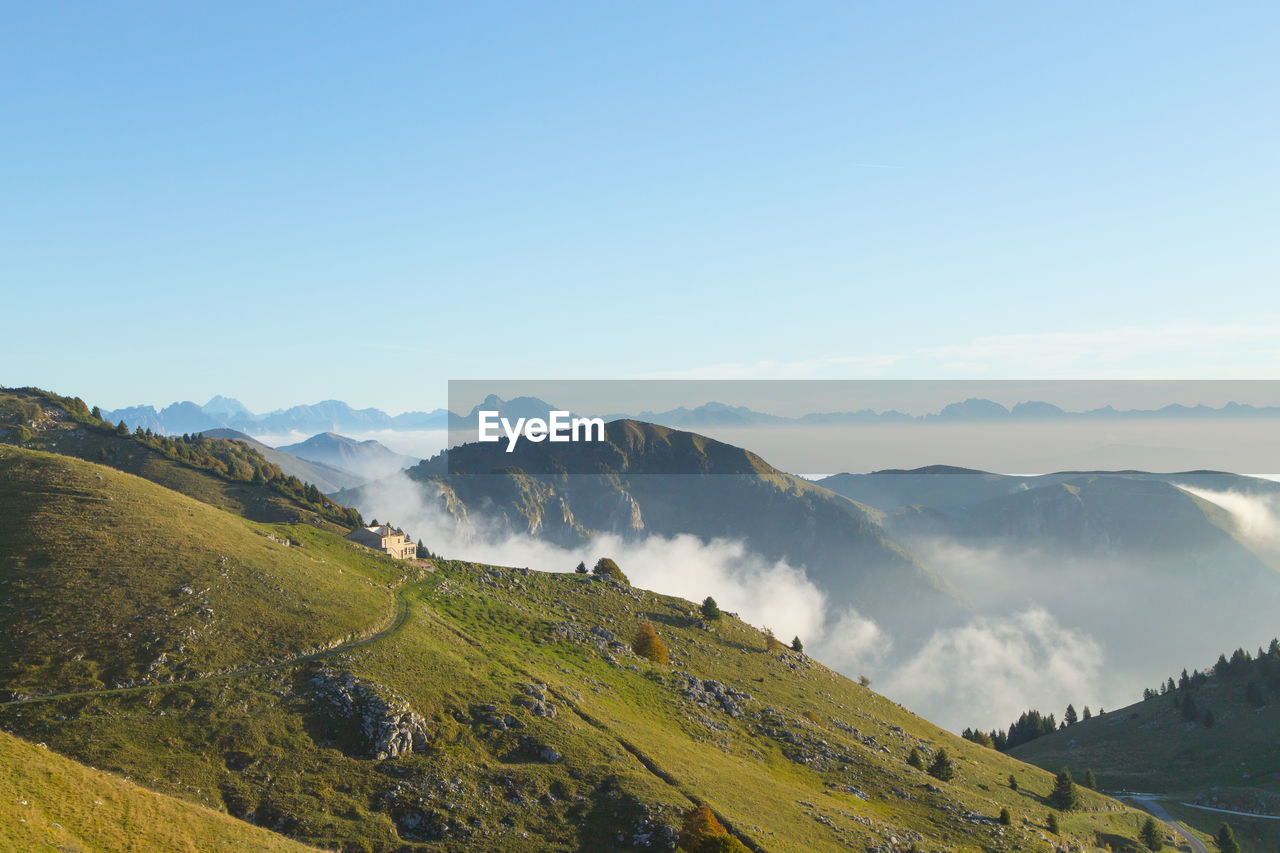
x=285, y=202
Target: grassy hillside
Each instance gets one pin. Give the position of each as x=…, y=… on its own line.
x=48, y=803
x=110, y=580
x=500, y=709
x=806, y=760
x=226, y=474
x=1223, y=755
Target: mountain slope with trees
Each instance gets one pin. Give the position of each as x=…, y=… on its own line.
x=488, y=708
x=1203, y=737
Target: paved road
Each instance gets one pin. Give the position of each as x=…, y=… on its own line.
x=1156, y=809
x=1229, y=811
x=401, y=613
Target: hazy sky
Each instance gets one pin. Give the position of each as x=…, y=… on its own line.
x=291, y=201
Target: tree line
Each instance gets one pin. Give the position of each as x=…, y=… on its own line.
x=1259, y=674
x=226, y=459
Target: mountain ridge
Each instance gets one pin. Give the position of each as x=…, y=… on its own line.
x=526, y=720
x=337, y=416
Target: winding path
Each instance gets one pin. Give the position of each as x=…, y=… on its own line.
x=1153, y=806
x=397, y=620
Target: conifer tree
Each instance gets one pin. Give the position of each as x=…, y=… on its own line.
x=582, y=568
x=1150, y=836
x=1070, y=717
x=796, y=645
x=1052, y=823
x=915, y=759
x=1227, y=840
x=1090, y=781
x=942, y=767
x=1006, y=819
x=1064, y=797
x=710, y=610
x=1013, y=782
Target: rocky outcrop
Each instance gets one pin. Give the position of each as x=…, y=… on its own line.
x=535, y=700
x=709, y=693
x=386, y=724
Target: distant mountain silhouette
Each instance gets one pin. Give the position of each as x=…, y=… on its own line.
x=367, y=459
x=339, y=417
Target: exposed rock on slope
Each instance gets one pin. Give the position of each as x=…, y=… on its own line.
x=385, y=721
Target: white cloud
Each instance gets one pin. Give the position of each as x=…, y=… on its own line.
x=852, y=643
x=1256, y=518
x=995, y=668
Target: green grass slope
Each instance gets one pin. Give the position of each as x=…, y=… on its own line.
x=111, y=580
x=48, y=803
x=500, y=709
x=1152, y=747
x=219, y=472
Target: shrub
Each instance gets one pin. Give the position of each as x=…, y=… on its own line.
x=1013, y=782
x=1006, y=819
x=772, y=643
x=864, y=681
x=1052, y=823
x=607, y=568
x=703, y=833
x=647, y=644
x=915, y=759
